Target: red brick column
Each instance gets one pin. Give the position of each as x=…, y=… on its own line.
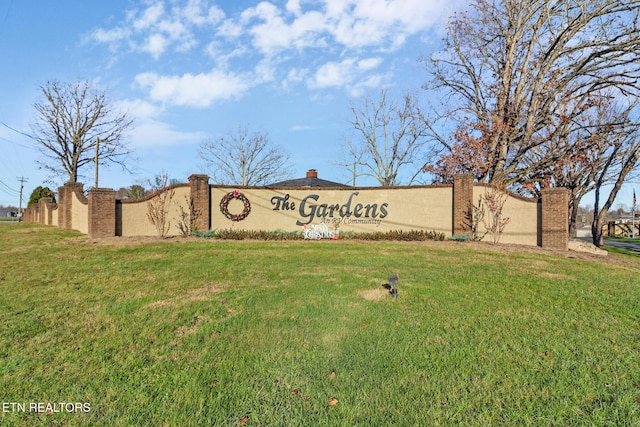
x=30, y=213
x=462, y=203
x=555, y=218
x=62, y=211
x=102, y=212
x=64, y=202
x=201, y=197
x=45, y=207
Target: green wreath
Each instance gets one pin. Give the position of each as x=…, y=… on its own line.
x=224, y=206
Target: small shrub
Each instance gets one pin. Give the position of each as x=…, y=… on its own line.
x=397, y=235
x=207, y=234
x=230, y=234
x=460, y=238
x=188, y=214
x=495, y=224
x=158, y=206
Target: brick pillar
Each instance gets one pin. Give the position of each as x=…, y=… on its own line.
x=462, y=204
x=102, y=212
x=51, y=206
x=44, y=206
x=30, y=214
x=64, y=202
x=201, y=197
x=62, y=211
x=555, y=218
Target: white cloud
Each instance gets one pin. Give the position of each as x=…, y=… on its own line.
x=319, y=42
x=111, y=36
x=197, y=13
x=154, y=133
x=199, y=90
x=369, y=64
x=301, y=128
x=293, y=6
x=375, y=81
x=230, y=29
x=333, y=74
x=138, y=109
x=150, y=16
x=297, y=75
x=154, y=29
x=149, y=131
x=339, y=74
x=155, y=45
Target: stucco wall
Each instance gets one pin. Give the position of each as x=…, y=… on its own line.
x=359, y=210
x=522, y=227
x=373, y=209
x=79, y=213
x=134, y=214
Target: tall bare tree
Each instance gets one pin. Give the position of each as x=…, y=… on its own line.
x=71, y=118
x=390, y=136
x=586, y=145
x=511, y=67
x=241, y=158
x=618, y=162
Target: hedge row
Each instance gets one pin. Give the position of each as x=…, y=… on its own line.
x=397, y=235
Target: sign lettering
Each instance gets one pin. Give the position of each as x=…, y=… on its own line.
x=349, y=212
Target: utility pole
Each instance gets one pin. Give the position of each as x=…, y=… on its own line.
x=22, y=179
x=633, y=216
x=355, y=174
x=96, y=160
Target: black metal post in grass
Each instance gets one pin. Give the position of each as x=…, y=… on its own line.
x=393, y=282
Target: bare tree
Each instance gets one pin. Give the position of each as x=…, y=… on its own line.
x=241, y=158
x=495, y=197
x=620, y=160
x=71, y=118
x=390, y=137
x=511, y=68
x=586, y=144
x=159, y=205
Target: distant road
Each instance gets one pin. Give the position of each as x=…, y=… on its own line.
x=629, y=246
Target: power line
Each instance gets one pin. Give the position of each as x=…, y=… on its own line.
x=4, y=21
x=8, y=189
x=16, y=130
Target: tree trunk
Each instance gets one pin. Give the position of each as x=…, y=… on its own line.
x=573, y=218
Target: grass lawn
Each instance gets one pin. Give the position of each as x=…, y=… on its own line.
x=208, y=332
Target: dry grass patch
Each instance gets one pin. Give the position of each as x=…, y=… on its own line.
x=204, y=293
x=549, y=275
x=191, y=329
x=373, y=294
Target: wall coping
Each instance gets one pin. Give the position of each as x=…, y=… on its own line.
x=510, y=193
x=76, y=188
x=153, y=194
x=395, y=187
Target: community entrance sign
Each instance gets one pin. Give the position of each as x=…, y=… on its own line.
x=350, y=211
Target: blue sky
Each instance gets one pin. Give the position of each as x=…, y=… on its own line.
x=188, y=70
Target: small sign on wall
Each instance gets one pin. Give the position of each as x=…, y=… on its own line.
x=320, y=231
